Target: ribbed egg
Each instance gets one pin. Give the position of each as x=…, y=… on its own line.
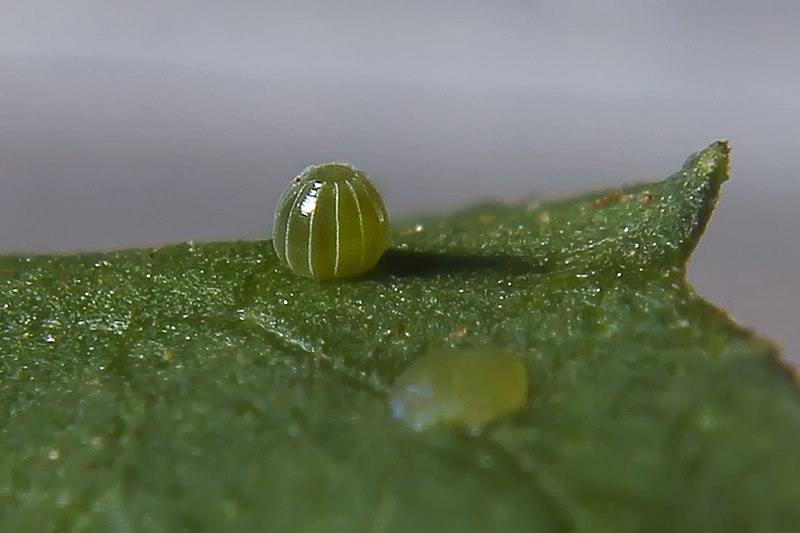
x=330, y=223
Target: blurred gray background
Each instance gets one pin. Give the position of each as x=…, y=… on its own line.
x=138, y=123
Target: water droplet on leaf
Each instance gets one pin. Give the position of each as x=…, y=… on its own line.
x=468, y=389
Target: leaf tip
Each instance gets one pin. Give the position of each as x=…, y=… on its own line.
x=713, y=161
x=704, y=173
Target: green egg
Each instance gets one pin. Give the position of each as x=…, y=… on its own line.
x=467, y=389
x=330, y=223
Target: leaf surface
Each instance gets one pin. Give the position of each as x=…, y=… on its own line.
x=205, y=387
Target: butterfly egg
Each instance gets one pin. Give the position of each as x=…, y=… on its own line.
x=468, y=389
x=330, y=223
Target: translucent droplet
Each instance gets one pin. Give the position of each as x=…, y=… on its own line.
x=460, y=388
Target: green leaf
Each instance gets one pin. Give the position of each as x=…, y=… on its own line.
x=205, y=387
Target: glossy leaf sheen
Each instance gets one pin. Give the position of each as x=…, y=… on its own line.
x=202, y=387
